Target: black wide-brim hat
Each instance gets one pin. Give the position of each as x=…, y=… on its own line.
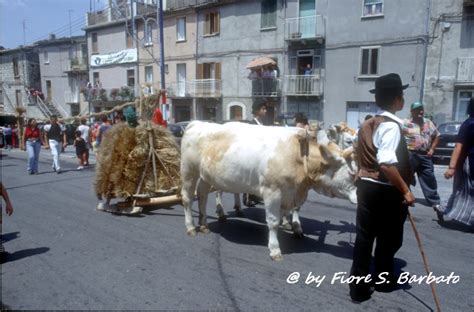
x=388, y=82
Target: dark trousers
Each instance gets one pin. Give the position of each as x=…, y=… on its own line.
x=380, y=215
x=423, y=166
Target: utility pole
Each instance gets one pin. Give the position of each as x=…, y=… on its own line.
x=162, y=47
x=24, y=32
x=70, y=28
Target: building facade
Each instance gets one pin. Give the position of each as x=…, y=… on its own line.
x=64, y=73
x=19, y=73
x=449, y=82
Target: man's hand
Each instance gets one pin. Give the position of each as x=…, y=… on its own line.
x=409, y=199
x=64, y=145
x=430, y=152
x=9, y=208
x=46, y=147
x=448, y=174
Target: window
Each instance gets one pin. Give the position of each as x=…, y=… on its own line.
x=369, y=61
x=373, y=7
x=49, y=90
x=269, y=15
x=211, y=24
x=1, y=97
x=181, y=29
x=95, y=45
x=128, y=37
x=208, y=71
x=46, y=57
x=16, y=72
x=149, y=33
x=131, y=78
x=462, y=103
x=149, y=74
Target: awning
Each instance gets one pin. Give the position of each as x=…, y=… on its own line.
x=261, y=61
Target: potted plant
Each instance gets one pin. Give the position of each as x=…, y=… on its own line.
x=103, y=95
x=114, y=93
x=125, y=93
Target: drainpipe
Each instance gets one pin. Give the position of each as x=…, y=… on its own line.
x=426, y=42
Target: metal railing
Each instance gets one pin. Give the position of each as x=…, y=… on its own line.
x=267, y=87
x=308, y=27
x=210, y=88
x=465, y=72
x=110, y=94
x=78, y=64
x=179, y=4
x=303, y=85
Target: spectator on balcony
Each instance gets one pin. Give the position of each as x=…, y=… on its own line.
x=253, y=75
x=308, y=71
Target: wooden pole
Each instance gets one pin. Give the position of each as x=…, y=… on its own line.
x=425, y=261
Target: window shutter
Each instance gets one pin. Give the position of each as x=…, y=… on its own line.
x=216, y=23
x=199, y=71
x=218, y=70
x=207, y=24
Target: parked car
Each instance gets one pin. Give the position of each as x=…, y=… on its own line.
x=447, y=140
x=177, y=129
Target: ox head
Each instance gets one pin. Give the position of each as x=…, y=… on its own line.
x=332, y=171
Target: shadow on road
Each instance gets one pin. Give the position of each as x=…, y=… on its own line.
x=251, y=233
x=9, y=236
x=17, y=255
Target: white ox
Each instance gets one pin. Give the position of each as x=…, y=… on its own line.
x=265, y=161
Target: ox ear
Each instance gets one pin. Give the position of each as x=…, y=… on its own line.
x=330, y=156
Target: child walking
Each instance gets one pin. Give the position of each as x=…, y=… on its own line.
x=81, y=151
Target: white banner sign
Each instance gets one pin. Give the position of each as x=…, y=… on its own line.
x=124, y=56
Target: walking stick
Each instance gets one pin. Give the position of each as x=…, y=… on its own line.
x=425, y=261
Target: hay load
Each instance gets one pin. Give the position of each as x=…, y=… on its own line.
x=142, y=161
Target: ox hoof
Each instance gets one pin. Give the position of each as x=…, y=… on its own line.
x=239, y=213
x=222, y=218
x=100, y=206
x=298, y=235
x=286, y=226
x=204, y=229
x=192, y=232
x=277, y=257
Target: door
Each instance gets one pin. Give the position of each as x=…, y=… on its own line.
x=181, y=74
x=49, y=91
x=307, y=18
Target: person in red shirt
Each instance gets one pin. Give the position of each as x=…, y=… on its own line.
x=33, y=141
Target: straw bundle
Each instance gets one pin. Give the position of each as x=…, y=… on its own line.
x=123, y=157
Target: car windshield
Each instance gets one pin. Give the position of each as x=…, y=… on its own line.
x=449, y=128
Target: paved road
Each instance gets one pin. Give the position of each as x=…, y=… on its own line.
x=63, y=254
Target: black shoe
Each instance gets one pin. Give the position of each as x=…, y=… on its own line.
x=360, y=293
x=439, y=213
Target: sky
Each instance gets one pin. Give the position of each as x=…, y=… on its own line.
x=41, y=18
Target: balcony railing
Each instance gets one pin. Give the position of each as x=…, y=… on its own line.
x=308, y=27
x=268, y=87
x=303, y=85
x=109, y=94
x=71, y=97
x=465, y=72
x=179, y=4
x=110, y=14
x=76, y=65
x=201, y=88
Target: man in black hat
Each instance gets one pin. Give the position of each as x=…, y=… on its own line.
x=383, y=193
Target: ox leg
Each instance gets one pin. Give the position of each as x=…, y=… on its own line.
x=187, y=194
x=203, y=192
x=296, y=224
x=238, y=205
x=219, y=207
x=285, y=224
x=272, y=200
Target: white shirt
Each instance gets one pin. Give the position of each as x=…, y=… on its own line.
x=386, y=138
x=84, y=132
x=47, y=127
